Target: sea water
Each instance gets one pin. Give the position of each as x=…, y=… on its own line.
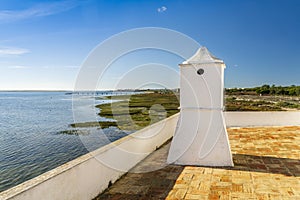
x=30, y=138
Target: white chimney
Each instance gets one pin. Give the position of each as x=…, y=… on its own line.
x=201, y=137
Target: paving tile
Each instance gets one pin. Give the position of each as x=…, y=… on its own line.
x=193, y=197
x=267, y=166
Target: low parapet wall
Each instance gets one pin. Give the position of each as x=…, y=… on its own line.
x=87, y=176
x=248, y=119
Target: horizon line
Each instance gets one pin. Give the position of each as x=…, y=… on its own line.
x=126, y=89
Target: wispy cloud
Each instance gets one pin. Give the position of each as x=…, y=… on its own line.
x=4, y=51
x=162, y=9
x=39, y=10
x=18, y=67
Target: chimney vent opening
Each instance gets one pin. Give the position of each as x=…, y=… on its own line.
x=200, y=71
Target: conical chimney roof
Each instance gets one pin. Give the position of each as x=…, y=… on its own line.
x=203, y=56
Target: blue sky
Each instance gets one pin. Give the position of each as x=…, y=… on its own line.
x=44, y=43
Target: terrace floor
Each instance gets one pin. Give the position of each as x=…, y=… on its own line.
x=267, y=166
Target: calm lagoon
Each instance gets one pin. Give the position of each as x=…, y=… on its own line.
x=30, y=142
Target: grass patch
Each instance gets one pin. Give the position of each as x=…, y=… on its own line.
x=140, y=110
x=74, y=132
x=233, y=104
x=101, y=124
x=286, y=104
x=135, y=112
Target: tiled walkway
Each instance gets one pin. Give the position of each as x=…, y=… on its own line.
x=267, y=166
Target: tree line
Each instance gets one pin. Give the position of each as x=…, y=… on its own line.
x=292, y=90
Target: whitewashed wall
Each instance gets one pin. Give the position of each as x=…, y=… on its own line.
x=245, y=119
